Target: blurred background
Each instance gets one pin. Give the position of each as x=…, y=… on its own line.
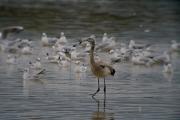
x=127, y=19
x=134, y=93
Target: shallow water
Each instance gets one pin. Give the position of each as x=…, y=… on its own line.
x=135, y=92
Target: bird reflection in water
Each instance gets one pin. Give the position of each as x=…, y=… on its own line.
x=168, y=76
x=101, y=114
x=33, y=85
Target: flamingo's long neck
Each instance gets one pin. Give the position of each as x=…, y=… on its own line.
x=92, y=54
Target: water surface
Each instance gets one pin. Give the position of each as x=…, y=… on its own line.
x=135, y=92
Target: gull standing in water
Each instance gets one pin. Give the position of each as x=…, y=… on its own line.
x=26, y=50
x=11, y=59
x=133, y=45
x=99, y=69
x=36, y=65
x=168, y=68
x=175, y=46
x=47, y=41
x=115, y=56
x=62, y=39
x=64, y=62
x=105, y=38
x=107, y=43
x=165, y=58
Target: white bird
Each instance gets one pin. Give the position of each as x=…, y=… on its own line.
x=125, y=53
x=26, y=50
x=58, y=47
x=78, y=55
x=148, y=52
x=23, y=43
x=167, y=68
x=63, y=62
x=175, y=46
x=123, y=48
x=162, y=59
x=52, y=59
x=27, y=41
x=62, y=39
x=147, y=30
x=11, y=59
x=105, y=38
x=107, y=46
x=30, y=74
x=115, y=56
x=140, y=59
x=83, y=68
x=47, y=41
x=133, y=45
x=36, y=64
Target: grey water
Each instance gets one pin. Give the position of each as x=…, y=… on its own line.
x=134, y=93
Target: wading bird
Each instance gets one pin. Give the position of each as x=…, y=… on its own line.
x=99, y=69
x=175, y=46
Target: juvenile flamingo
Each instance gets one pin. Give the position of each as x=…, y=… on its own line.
x=99, y=69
